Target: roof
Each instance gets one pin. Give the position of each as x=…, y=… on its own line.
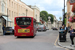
x=25, y=16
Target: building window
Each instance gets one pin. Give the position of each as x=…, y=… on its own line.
x=12, y=4
x=16, y=6
x=2, y=7
x=9, y=3
x=9, y=12
x=12, y=13
x=36, y=17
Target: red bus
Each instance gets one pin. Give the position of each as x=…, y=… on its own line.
x=25, y=26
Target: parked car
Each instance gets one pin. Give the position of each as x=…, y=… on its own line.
x=47, y=28
x=13, y=29
x=54, y=28
x=37, y=28
x=41, y=28
x=9, y=30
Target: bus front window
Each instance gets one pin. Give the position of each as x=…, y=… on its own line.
x=23, y=21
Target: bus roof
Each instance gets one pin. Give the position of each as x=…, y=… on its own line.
x=25, y=16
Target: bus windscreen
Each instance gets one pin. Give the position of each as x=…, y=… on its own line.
x=23, y=21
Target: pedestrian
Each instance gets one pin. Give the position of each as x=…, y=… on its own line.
x=3, y=29
x=62, y=29
x=66, y=29
x=72, y=36
x=69, y=29
x=65, y=32
x=62, y=36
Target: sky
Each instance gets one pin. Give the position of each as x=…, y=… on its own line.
x=51, y=6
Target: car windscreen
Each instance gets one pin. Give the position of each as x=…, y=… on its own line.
x=8, y=28
x=23, y=21
x=41, y=25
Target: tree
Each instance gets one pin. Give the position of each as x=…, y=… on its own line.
x=52, y=17
x=44, y=15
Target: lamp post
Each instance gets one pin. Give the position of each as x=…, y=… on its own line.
x=49, y=23
x=64, y=14
x=60, y=18
x=49, y=18
x=7, y=17
x=26, y=12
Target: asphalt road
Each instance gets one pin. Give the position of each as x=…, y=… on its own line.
x=42, y=41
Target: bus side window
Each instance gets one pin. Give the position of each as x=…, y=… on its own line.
x=34, y=23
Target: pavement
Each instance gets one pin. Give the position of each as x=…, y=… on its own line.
x=67, y=43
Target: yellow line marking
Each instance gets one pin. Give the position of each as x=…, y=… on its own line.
x=57, y=45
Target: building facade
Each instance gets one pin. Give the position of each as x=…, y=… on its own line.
x=36, y=12
x=3, y=11
x=55, y=23
x=18, y=8
x=59, y=24
x=69, y=14
x=13, y=8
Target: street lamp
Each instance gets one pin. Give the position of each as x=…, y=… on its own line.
x=7, y=17
x=64, y=14
x=60, y=18
x=49, y=18
x=26, y=12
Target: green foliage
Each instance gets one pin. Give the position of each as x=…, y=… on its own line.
x=44, y=15
x=65, y=21
x=52, y=18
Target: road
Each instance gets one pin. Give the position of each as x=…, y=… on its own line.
x=42, y=41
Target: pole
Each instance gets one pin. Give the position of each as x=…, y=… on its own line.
x=7, y=17
x=64, y=14
x=26, y=12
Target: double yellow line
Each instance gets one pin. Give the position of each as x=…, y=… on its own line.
x=57, y=45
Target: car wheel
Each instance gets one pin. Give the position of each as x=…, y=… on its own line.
x=38, y=31
x=5, y=34
x=13, y=32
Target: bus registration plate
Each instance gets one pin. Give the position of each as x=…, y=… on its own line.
x=23, y=30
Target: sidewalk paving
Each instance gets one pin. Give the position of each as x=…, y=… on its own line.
x=67, y=43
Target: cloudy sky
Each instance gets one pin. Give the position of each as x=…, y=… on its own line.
x=51, y=6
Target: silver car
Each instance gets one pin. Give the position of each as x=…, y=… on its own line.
x=41, y=28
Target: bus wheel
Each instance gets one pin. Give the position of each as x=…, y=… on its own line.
x=17, y=36
x=33, y=36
